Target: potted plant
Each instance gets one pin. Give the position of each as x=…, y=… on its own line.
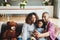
x=6, y=3
x=46, y=2
x=23, y=4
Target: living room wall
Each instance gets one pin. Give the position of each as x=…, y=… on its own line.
x=29, y=3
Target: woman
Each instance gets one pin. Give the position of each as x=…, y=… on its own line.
x=29, y=26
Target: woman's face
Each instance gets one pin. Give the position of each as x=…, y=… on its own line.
x=33, y=18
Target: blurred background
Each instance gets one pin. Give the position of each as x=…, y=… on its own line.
x=17, y=10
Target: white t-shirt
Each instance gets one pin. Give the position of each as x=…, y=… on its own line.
x=27, y=31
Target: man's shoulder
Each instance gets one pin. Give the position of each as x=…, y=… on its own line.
x=51, y=23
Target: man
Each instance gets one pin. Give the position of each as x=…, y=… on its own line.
x=50, y=29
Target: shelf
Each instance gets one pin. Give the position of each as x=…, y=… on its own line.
x=28, y=9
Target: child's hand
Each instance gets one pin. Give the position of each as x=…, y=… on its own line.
x=38, y=35
x=35, y=32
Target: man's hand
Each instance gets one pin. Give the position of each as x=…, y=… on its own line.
x=39, y=35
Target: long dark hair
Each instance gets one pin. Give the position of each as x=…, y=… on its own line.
x=29, y=16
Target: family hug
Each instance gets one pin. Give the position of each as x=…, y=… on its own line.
x=33, y=28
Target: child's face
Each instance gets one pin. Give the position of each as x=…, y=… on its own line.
x=40, y=24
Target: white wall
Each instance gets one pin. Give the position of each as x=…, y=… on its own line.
x=35, y=2
x=30, y=2
x=58, y=11
x=55, y=8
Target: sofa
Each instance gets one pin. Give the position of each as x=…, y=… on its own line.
x=19, y=29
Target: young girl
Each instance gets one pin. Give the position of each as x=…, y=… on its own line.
x=39, y=29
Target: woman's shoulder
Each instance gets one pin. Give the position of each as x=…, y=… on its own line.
x=49, y=22
x=25, y=24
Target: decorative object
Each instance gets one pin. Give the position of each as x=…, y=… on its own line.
x=47, y=2
x=10, y=33
x=5, y=0
x=6, y=3
x=23, y=4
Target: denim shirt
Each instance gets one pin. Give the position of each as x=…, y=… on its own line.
x=27, y=31
x=40, y=30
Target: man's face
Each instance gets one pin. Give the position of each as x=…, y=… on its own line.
x=45, y=17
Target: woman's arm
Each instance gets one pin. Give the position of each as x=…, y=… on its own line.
x=24, y=32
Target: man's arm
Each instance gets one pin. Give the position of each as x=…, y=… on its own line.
x=50, y=32
x=42, y=34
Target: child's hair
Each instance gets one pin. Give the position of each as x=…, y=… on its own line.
x=38, y=22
